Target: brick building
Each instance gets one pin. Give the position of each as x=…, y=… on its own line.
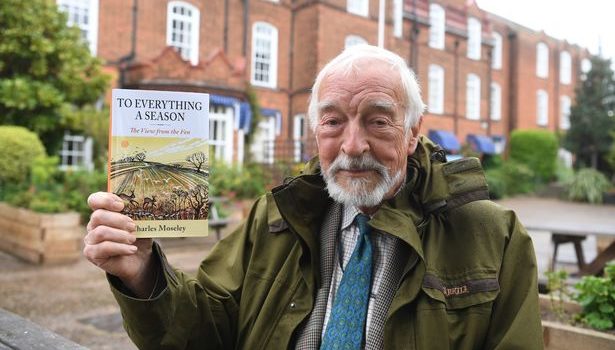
x=482, y=75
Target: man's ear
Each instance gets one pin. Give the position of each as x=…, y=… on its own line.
x=413, y=138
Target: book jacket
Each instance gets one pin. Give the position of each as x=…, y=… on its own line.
x=158, y=160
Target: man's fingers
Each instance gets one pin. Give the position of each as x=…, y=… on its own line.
x=103, y=233
x=105, y=200
x=100, y=252
x=101, y=217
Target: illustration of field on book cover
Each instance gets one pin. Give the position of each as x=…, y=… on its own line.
x=158, y=160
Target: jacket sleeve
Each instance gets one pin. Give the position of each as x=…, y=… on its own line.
x=515, y=322
x=194, y=312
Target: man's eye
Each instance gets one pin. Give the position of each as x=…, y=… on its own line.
x=331, y=122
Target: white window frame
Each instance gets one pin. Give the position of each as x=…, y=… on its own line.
x=76, y=153
x=77, y=11
x=263, y=142
x=542, y=108
x=586, y=66
x=474, y=38
x=565, y=67
x=437, y=26
x=189, y=50
x=352, y=40
x=261, y=40
x=473, y=97
x=221, y=121
x=496, y=59
x=299, y=137
x=398, y=18
x=496, y=102
x=542, y=60
x=358, y=7
x=565, y=104
x=436, y=89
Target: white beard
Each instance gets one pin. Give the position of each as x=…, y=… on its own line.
x=360, y=193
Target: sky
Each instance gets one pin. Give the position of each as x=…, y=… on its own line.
x=588, y=23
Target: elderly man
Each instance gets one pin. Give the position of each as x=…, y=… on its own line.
x=379, y=244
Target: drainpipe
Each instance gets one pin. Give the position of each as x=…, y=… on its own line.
x=225, y=39
x=513, y=56
x=489, y=82
x=123, y=61
x=414, y=58
x=246, y=13
x=291, y=51
x=456, y=89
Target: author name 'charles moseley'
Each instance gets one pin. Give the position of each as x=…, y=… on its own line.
x=161, y=228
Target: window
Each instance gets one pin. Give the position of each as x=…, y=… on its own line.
x=542, y=60
x=264, y=55
x=474, y=38
x=183, y=30
x=496, y=102
x=542, y=108
x=398, y=18
x=299, y=136
x=564, y=121
x=76, y=153
x=586, y=66
x=565, y=67
x=221, y=132
x=358, y=7
x=83, y=14
x=262, y=146
x=353, y=40
x=496, y=59
x=473, y=97
x=436, y=89
x=437, y=26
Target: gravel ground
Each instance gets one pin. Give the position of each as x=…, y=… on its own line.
x=74, y=300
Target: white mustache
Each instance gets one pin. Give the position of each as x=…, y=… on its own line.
x=364, y=162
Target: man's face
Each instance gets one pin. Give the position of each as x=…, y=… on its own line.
x=360, y=133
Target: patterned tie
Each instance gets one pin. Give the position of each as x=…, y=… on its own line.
x=347, y=321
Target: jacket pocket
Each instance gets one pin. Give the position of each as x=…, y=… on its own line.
x=453, y=311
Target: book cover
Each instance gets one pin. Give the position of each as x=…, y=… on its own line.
x=158, y=160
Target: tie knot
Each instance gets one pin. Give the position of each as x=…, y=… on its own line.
x=362, y=220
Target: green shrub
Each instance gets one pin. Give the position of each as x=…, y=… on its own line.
x=587, y=185
x=509, y=179
x=49, y=190
x=249, y=181
x=597, y=297
x=537, y=149
x=19, y=149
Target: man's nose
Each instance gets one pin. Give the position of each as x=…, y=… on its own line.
x=355, y=140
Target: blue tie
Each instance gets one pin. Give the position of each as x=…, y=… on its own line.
x=347, y=321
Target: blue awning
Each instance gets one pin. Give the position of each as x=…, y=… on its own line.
x=269, y=112
x=482, y=144
x=222, y=100
x=445, y=139
x=245, y=116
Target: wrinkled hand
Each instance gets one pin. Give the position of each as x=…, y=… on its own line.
x=111, y=244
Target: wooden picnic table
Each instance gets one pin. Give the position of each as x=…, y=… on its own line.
x=568, y=222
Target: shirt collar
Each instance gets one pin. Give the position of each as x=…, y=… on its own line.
x=348, y=215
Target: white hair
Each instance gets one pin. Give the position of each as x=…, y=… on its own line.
x=345, y=63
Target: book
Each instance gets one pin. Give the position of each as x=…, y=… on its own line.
x=158, y=160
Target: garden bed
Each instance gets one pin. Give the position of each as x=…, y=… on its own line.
x=561, y=336
x=40, y=238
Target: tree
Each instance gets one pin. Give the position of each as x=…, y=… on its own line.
x=47, y=74
x=592, y=117
x=197, y=159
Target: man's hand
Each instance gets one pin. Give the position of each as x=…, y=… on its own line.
x=111, y=244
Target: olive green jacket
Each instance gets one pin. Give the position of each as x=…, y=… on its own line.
x=470, y=284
